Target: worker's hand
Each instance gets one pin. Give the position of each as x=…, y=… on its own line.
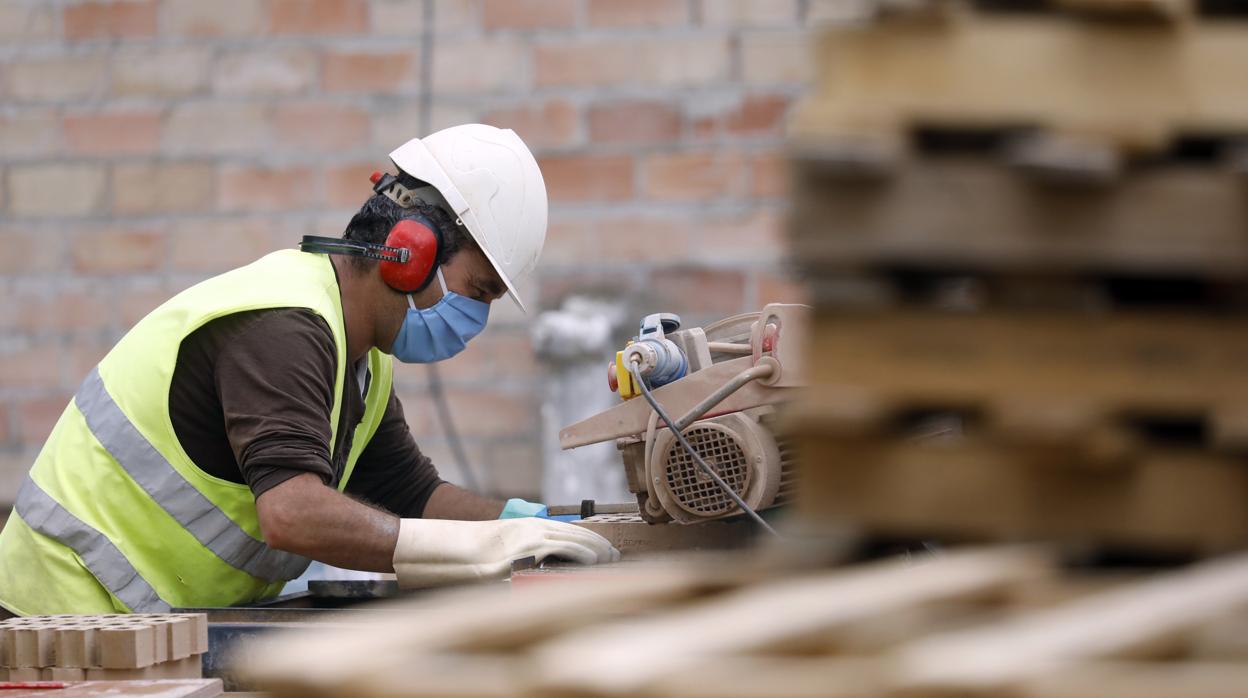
x=432, y=552
x=518, y=508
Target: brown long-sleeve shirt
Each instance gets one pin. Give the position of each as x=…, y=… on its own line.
x=250, y=402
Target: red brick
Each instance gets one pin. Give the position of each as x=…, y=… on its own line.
x=553, y=289
x=113, y=133
x=8, y=430
x=266, y=72
x=588, y=177
x=552, y=124
x=695, y=176
x=495, y=357
x=347, y=186
x=750, y=238
x=219, y=245
x=134, y=304
x=118, y=251
x=568, y=242
x=696, y=290
x=638, y=13
x=634, y=122
x=755, y=115
x=387, y=72
x=242, y=188
x=529, y=14
x=321, y=126
x=36, y=416
x=35, y=366
x=769, y=175
x=481, y=413
x=30, y=251
x=642, y=239
x=154, y=186
x=61, y=310
x=780, y=288
x=664, y=62
x=196, y=18
x=103, y=20
x=82, y=356
x=318, y=17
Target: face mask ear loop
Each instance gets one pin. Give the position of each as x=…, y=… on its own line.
x=442, y=281
x=411, y=303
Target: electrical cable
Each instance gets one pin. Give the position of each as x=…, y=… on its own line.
x=635, y=371
x=435, y=378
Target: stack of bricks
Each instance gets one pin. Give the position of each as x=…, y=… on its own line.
x=1023, y=225
x=103, y=648
x=197, y=136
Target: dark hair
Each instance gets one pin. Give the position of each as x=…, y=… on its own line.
x=379, y=214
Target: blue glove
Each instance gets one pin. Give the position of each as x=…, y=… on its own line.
x=518, y=508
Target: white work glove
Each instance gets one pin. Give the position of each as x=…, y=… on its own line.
x=434, y=552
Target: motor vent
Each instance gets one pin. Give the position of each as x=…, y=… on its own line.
x=691, y=488
x=742, y=453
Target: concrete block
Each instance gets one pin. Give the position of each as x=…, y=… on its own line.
x=127, y=646
x=199, y=632
x=178, y=633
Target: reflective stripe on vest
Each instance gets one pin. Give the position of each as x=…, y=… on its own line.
x=44, y=515
x=179, y=498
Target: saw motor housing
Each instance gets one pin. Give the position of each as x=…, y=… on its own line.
x=735, y=436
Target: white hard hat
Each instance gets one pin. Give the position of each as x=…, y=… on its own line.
x=491, y=181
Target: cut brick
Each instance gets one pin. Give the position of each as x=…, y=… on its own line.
x=127, y=646
x=199, y=631
x=31, y=646
x=75, y=646
x=61, y=673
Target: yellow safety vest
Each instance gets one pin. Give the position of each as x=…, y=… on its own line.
x=114, y=516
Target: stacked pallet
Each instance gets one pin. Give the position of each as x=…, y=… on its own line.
x=997, y=622
x=103, y=648
x=1025, y=226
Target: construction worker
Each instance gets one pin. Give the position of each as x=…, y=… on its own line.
x=249, y=425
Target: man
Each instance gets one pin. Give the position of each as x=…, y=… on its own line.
x=249, y=424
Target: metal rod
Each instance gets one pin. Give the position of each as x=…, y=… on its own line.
x=733, y=385
x=729, y=348
x=635, y=371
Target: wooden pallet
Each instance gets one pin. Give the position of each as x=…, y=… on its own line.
x=1039, y=377
x=974, y=622
x=1094, y=90
x=976, y=213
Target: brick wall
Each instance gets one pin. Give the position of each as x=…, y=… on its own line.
x=148, y=144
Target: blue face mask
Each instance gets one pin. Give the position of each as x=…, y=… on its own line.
x=440, y=331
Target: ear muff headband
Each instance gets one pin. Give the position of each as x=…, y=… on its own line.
x=408, y=259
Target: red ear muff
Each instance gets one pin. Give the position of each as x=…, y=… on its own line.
x=422, y=243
